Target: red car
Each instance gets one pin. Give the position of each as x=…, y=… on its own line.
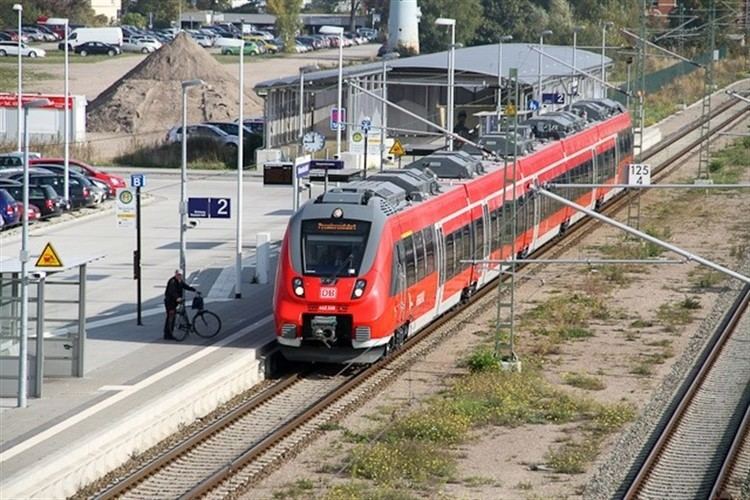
x=113, y=182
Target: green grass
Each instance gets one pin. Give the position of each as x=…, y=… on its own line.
x=673, y=314
x=358, y=490
x=729, y=163
x=9, y=77
x=584, y=381
x=302, y=488
x=55, y=56
x=703, y=279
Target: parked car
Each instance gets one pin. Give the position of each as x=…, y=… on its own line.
x=255, y=125
x=11, y=49
x=15, y=159
x=5, y=37
x=144, y=45
x=8, y=209
x=205, y=41
x=231, y=128
x=34, y=213
x=114, y=182
x=96, y=48
x=80, y=193
x=14, y=35
x=79, y=36
x=45, y=198
x=99, y=189
x=251, y=49
x=204, y=130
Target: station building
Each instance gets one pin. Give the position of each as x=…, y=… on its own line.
x=419, y=84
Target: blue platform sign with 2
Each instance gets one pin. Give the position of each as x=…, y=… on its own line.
x=209, y=208
x=137, y=180
x=553, y=98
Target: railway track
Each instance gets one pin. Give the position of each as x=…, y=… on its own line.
x=697, y=451
x=256, y=449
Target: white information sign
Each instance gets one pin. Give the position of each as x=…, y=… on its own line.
x=639, y=174
x=125, y=207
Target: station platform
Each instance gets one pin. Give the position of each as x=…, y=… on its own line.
x=137, y=390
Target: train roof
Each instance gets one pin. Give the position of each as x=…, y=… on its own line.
x=392, y=191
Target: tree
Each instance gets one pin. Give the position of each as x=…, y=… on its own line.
x=287, y=20
x=468, y=16
x=134, y=19
x=165, y=12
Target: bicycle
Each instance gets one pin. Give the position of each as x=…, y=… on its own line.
x=204, y=323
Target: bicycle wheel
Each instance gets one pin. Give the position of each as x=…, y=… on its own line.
x=181, y=327
x=206, y=324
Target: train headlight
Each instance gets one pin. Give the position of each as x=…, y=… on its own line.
x=359, y=289
x=298, y=287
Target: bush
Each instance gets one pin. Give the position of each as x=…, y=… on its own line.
x=482, y=360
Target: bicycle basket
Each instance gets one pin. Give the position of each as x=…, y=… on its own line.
x=197, y=302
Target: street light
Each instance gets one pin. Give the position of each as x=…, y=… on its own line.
x=66, y=120
x=339, y=31
x=576, y=30
x=240, y=166
x=384, y=107
x=504, y=38
x=19, y=8
x=445, y=21
x=24, y=256
x=606, y=25
x=183, y=173
x=541, y=53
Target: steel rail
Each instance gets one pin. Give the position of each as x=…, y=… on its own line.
x=155, y=465
x=717, y=492
x=266, y=444
x=716, y=346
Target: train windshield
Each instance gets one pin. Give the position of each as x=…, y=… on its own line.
x=333, y=247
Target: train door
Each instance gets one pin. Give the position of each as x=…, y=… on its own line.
x=440, y=267
x=402, y=299
x=536, y=200
x=596, y=179
x=486, y=242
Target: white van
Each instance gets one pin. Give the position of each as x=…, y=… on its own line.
x=111, y=36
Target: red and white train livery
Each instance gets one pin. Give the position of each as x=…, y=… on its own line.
x=366, y=265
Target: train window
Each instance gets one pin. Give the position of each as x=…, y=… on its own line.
x=479, y=238
x=429, y=247
x=467, y=240
x=410, y=264
x=420, y=254
x=450, y=257
x=333, y=248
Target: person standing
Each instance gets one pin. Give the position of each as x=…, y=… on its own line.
x=172, y=297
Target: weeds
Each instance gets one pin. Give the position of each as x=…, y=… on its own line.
x=565, y=317
x=482, y=360
x=584, y=381
x=705, y=279
x=202, y=153
x=677, y=313
x=302, y=488
x=362, y=491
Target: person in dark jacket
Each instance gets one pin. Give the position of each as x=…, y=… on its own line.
x=173, y=296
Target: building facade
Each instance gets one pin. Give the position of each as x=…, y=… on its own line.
x=109, y=8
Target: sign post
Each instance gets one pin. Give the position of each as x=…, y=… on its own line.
x=365, y=126
x=137, y=181
x=639, y=174
x=301, y=169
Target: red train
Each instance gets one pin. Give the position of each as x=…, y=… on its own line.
x=366, y=265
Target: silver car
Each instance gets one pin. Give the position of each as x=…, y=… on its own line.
x=11, y=49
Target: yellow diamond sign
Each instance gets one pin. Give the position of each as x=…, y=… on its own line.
x=510, y=110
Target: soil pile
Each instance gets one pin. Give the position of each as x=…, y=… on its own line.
x=148, y=99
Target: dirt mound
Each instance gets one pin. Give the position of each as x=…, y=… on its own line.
x=149, y=98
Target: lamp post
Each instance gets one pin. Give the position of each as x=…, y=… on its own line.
x=445, y=21
x=19, y=9
x=539, y=66
x=183, y=173
x=304, y=69
x=504, y=38
x=384, y=107
x=576, y=30
x=240, y=166
x=606, y=25
x=66, y=120
x=24, y=257
x=340, y=90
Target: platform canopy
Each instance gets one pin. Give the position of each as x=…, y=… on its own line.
x=478, y=60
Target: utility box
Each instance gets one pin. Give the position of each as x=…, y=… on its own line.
x=278, y=173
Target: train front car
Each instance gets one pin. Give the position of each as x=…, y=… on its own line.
x=331, y=301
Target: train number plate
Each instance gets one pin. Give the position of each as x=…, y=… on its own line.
x=328, y=293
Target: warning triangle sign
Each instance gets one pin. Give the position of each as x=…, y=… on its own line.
x=397, y=149
x=48, y=257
